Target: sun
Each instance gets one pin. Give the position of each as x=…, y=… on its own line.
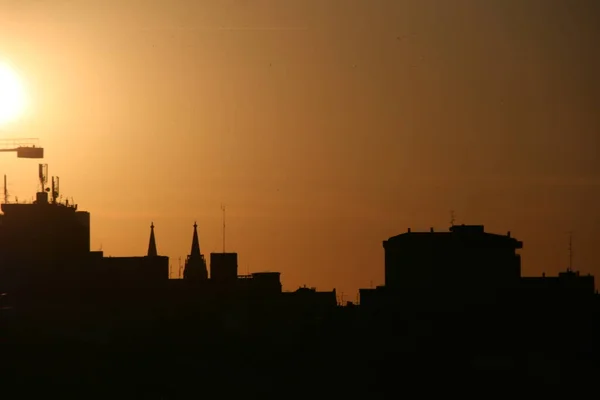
x=12, y=94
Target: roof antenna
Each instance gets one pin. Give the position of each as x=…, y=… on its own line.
x=5, y=191
x=223, y=210
x=452, y=217
x=570, y=251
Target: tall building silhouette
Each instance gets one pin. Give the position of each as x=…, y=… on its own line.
x=195, y=264
x=42, y=241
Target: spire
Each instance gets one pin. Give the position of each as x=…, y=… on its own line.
x=195, y=265
x=152, y=245
x=195, y=252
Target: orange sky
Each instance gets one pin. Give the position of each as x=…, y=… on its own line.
x=325, y=126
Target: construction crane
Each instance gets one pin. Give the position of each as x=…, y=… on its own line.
x=25, y=148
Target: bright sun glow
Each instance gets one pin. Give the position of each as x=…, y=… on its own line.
x=12, y=94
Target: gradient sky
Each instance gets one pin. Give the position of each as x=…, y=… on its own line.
x=325, y=126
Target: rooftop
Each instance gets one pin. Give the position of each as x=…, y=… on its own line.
x=463, y=231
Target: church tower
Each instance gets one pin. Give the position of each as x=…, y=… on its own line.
x=195, y=265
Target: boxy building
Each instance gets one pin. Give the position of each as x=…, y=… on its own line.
x=462, y=265
x=465, y=259
x=224, y=267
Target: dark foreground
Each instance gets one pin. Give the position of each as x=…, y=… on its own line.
x=346, y=355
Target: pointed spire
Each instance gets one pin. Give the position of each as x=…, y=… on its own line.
x=195, y=252
x=152, y=245
x=195, y=265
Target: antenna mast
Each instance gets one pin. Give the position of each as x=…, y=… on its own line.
x=55, y=189
x=5, y=191
x=570, y=251
x=223, y=209
x=43, y=175
x=452, y=217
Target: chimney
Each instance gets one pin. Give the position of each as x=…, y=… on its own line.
x=408, y=230
x=508, y=234
x=431, y=230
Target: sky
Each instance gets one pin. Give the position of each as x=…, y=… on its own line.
x=323, y=126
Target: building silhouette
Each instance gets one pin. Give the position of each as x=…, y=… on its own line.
x=465, y=265
x=223, y=267
x=42, y=240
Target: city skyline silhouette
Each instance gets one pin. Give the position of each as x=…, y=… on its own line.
x=454, y=303
x=318, y=196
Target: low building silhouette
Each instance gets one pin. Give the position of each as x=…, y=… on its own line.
x=568, y=285
x=310, y=298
